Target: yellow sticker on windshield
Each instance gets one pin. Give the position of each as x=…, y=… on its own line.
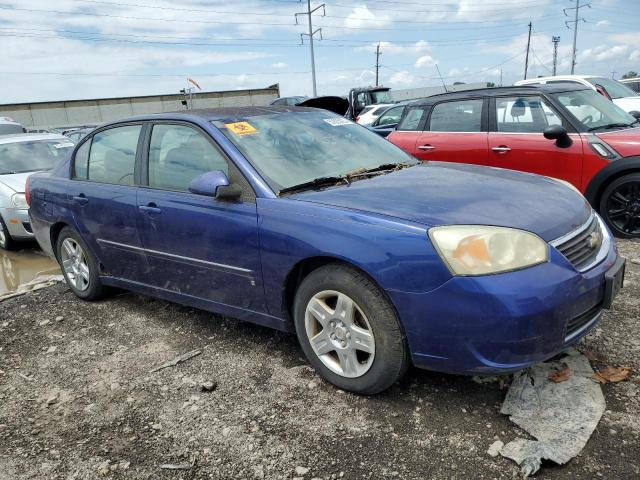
x=241, y=128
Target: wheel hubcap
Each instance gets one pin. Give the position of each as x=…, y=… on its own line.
x=623, y=208
x=74, y=264
x=340, y=333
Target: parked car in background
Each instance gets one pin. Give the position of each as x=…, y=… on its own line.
x=20, y=156
x=632, y=83
x=388, y=120
x=78, y=134
x=300, y=220
x=288, y=101
x=620, y=94
x=368, y=114
x=9, y=126
x=563, y=131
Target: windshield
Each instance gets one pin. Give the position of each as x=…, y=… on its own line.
x=593, y=110
x=382, y=97
x=10, y=128
x=292, y=148
x=614, y=88
x=31, y=156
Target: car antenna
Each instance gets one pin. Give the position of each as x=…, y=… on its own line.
x=441, y=79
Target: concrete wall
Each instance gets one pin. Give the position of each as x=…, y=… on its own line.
x=93, y=112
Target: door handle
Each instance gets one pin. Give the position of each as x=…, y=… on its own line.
x=81, y=199
x=152, y=208
x=501, y=149
x=426, y=148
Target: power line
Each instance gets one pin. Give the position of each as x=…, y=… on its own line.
x=575, y=29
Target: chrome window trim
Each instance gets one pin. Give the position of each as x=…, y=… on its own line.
x=604, y=247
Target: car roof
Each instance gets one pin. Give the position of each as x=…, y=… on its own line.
x=31, y=137
x=558, y=77
x=213, y=114
x=499, y=91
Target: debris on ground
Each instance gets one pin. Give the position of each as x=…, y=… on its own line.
x=561, y=416
x=37, y=283
x=179, y=359
x=561, y=375
x=178, y=466
x=495, y=447
x=611, y=375
x=208, y=386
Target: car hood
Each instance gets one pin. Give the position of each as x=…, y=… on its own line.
x=436, y=193
x=15, y=181
x=626, y=142
x=337, y=105
x=628, y=104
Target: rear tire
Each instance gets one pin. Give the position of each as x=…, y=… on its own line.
x=6, y=242
x=78, y=266
x=620, y=206
x=358, y=343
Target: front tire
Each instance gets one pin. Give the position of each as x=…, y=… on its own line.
x=620, y=206
x=6, y=242
x=349, y=331
x=78, y=266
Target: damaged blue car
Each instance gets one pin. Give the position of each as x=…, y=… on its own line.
x=300, y=220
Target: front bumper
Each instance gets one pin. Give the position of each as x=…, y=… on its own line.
x=502, y=323
x=17, y=222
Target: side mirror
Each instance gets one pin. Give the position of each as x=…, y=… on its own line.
x=635, y=114
x=215, y=184
x=559, y=134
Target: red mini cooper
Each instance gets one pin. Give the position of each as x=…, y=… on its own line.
x=563, y=131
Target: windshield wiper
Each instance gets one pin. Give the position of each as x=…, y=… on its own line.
x=316, y=182
x=611, y=125
x=384, y=168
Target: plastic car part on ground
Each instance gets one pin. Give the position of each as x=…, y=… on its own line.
x=561, y=416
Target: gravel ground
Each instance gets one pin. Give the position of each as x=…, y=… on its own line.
x=77, y=401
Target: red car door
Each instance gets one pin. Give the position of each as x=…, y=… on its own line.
x=516, y=139
x=456, y=131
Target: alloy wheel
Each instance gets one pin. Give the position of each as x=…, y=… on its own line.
x=75, y=265
x=339, y=333
x=623, y=208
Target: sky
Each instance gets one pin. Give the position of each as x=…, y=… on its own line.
x=81, y=49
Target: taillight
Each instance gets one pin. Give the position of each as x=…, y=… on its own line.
x=27, y=193
x=357, y=119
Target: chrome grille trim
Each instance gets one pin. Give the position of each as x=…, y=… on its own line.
x=601, y=254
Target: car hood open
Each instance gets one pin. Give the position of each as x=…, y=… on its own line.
x=436, y=193
x=15, y=181
x=337, y=105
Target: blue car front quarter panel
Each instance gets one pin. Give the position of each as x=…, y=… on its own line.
x=396, y=254
x=501, y=323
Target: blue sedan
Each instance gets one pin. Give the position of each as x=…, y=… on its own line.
x=303, y=221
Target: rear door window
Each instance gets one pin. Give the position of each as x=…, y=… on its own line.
x=459, y=116
x=113, y=155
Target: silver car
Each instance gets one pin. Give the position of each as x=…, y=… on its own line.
x=20, y=156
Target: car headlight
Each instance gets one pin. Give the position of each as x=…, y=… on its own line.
x=483, y=250
x=19, y=200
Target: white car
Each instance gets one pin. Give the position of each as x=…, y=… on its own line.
x=632, y=83
x=369, y=113
x=615, y=91
x=20, y=156
x=8, y=126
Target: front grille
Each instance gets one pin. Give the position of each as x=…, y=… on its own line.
x=582, y=248
x=576, y=324
x=27, y=227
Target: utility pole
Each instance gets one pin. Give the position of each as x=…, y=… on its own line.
x=575, y=29
x=377, y=64
x=526, y=60
x=555, y=41
x=613, y=75
x=311, y=33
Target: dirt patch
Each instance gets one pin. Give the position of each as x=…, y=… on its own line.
x=77, y=401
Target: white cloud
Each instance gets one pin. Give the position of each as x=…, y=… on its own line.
x=395, y=48
x=361, y=16
x=279, y=65
x=602, y=53
x=425, y=61
x=635, y=55
x=402, y=79
x=603, y=23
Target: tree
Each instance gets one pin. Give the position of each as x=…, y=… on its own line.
x=630, y=74
x=491, y=84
